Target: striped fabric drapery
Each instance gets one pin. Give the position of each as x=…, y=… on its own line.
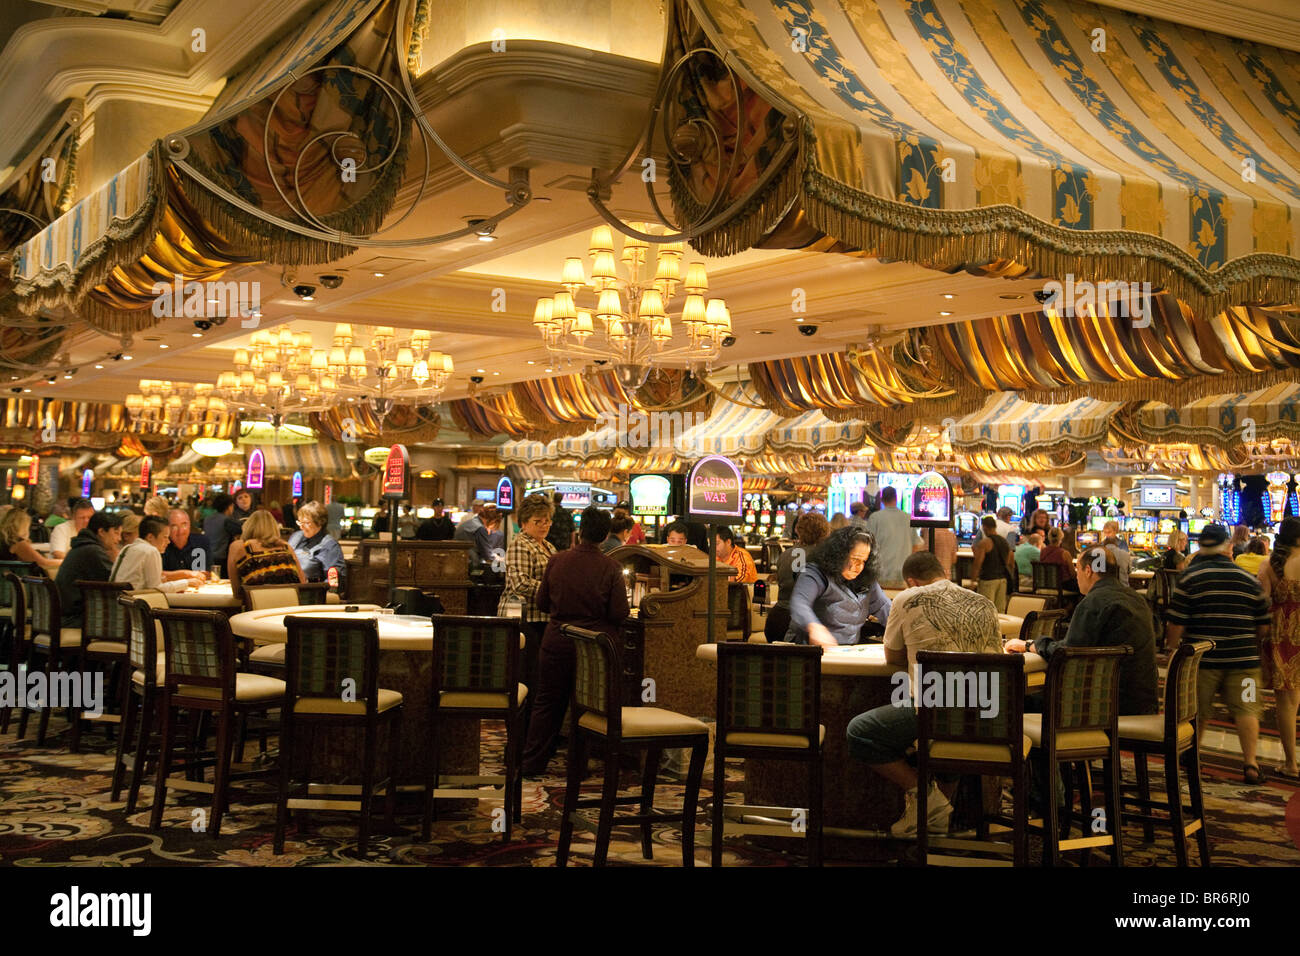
x=1008, y=424
x=1052, y=135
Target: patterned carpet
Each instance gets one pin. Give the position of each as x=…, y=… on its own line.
x=55, y=811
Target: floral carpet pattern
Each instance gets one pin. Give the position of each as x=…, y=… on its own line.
x=55, y=811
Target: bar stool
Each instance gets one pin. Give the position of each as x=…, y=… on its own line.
x=323, y=655
x=769, y=708
x=964, y=740
x=59, y=646
x=476, y=675
x=1078, y=724
x=200, y=677
x=148, y=675
x=1173, y=737
x=13, y=602
x=601, y=719
x=103, y=639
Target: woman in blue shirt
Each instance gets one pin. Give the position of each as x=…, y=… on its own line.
x=838, y=592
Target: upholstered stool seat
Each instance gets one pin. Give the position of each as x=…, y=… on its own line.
x=68, y=637
x=268, y=654
x=1151, y=727
x=983, y=753
x=1066, y=740
x=384, y=700
x=106, y=648
x=742, y=739
x=456, y=699
x=248, y=687
x=646, y=722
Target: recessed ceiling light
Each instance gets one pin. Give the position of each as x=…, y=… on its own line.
x=196, y=335
x=949, y=295
x=530, y=362
x=496, y=373
x=1012, y=295
x=97, y=366
x=27, y=390
x=378, y=275
x=763, y=332
x=799, y=320
x=126, y=358
x=480, y=370
x=945, y=313
x=67, y=375
x=164, y=346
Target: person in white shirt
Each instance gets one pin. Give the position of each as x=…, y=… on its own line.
x=62, y=535
x=140, y=562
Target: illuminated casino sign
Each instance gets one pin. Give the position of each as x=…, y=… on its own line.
x=397, y=473
x=651, y=494
x=573, y=494
x=297, y=484
x=256, y=470
x=932, y=501
x=35, y=473
x=329, y=494
x=505, y=494
x=714, y=489
x=87, y=477
x=146, y=472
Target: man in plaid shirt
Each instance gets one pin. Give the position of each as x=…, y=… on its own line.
x=525, y=561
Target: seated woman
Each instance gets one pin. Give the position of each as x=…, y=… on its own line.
x=1255, y=555
x=1054, y=553
x=1175, y=557
x=315, y=548
x=838, y=592
x=810, y=530
x=14, y=543
x=259, y=556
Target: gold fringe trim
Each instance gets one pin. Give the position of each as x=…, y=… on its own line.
x=945, y=239
x=756, y=218
x=1170, y=392
x=1057, y=447
x=124, y=241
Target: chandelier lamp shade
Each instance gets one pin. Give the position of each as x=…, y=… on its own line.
x=630, y=324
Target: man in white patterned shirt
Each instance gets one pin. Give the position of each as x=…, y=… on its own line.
x=526, y=560
x=140, y=562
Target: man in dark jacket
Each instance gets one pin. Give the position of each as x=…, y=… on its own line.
x=220, y=529
x=90, y=558
x=1110, y=615
x=437, y=528
x=583, y=587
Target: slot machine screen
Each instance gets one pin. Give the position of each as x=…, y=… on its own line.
x=1013, y=497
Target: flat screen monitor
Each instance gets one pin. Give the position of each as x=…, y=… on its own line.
x=485, y=494
x=1157, y=496
x=931, y=501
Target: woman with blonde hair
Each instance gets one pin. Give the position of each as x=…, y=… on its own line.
x=14, y=544
x=260, y=556
x=839, y=521
x=158, y=507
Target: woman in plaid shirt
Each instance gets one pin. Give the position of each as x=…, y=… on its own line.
x=525, y=561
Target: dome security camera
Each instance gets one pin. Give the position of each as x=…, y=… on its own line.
x=809, y=330
x=476, y=379
x=1042, y=296
x=729, y=341
x=331, y=281
x=202, y=324
x=304, y=291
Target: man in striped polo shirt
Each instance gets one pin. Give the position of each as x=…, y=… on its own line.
x=1218, y=601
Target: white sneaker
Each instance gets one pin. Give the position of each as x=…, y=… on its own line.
x=938, y=810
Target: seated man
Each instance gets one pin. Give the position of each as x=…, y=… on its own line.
x=140, y=562
x=932, y=614
x=90, y=558
x=734, y=553
x=1027, y=552
x=1109, y=615
x=187, y=550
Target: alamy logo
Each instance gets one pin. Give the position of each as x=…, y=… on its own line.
x=959, y=689
x=202, y=300
x=77, y=909
x=80, y=690
x=629, y=428
x=1123, y=300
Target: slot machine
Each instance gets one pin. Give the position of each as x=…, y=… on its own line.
x=778, y=528
x=1293, y=499
x=765, y=515
x=967, y=527
x=750, y=517
x=1275, y=498
x=1162, y=539
x=1229, y=499
x=1087, y=539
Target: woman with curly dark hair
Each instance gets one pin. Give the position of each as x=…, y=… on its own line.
x=838, y=592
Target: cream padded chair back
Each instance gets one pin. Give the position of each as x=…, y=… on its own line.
x=260, y=599
x=1019, y=605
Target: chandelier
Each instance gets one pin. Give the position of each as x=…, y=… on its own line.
x=274, y=377
x=387, y=370
x=281, y=374
x=635, y=328
x=173, y=407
